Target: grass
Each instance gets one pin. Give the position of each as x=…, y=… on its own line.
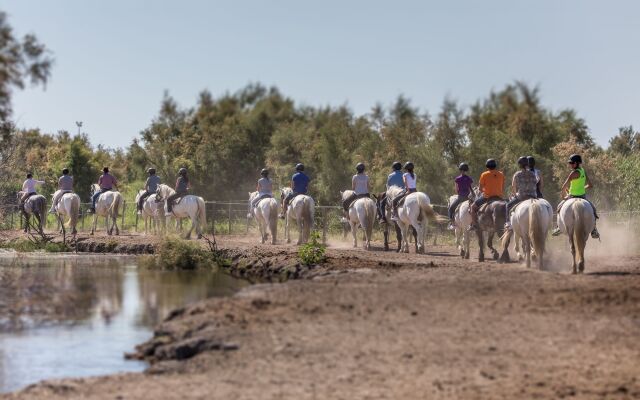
x=27, y=246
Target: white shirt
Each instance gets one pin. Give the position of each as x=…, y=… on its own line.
x=411, y=182
x=29, y=186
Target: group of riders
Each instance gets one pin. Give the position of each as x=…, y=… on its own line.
x=527, y=183
x=107, y=183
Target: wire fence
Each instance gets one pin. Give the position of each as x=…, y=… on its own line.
x=230, y=218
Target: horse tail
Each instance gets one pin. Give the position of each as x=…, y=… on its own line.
x=579, y=227
x=202, y=212
x=427, y=211
x=75, y=210
x=273, y=219
x=307, y=215
x=370, y=212
x=537, y=233
x=114, y=208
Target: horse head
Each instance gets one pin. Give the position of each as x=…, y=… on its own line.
x=284, y=192
x=253, y=195
x=345, y=194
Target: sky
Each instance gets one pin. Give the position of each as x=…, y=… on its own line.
x=115, y=59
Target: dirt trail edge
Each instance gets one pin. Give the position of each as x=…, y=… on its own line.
x=380, y=325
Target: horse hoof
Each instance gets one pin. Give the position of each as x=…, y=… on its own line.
x=496, y=256
x=466, y=256
x=481, y=259
x=462, y=253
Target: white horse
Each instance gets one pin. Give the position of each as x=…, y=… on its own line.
x=462, y=222
x=151, y=210
x=302, y=209
x=530, y=221
x=415, y=211
x=190, y=206
x=68, y=207
x=266, y=213
x=35, y=205
x=576, y=219
x=361, y=213
x=107, y=206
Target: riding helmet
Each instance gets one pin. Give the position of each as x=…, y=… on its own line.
x=264, y=172
x=65, y=171
x=491, y=164
x=408, y=166
x=397, y=166
x=575, y=158
x=29, y=175
x=299, y=167
x=105, y=170
x=463, y=167
x=151, y=171
x=531, y=161
x=182, y=171
x=523, y=162
x=360, y=167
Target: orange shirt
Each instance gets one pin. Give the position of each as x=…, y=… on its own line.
x=492, y=182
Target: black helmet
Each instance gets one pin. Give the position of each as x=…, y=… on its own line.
x=397, y=165
x=65, y=171
x=299, y=167
x=575, y=158
x=408, y=166
x=182, y=171
x=463, y=167
x=523, y=162
x=105, y=169
x=151, y=171
x=491, y=164
x=264, y=172
x=29, y=175
x=360, y=167
x=531, y=161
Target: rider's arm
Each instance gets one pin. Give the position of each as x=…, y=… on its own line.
x=565, y=186
x=404, y=180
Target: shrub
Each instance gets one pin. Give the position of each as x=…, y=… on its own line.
x=174, y=253
x=312, y=252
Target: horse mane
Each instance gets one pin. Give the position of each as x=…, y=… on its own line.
x=346, y=194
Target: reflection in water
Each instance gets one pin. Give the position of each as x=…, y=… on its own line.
x=101, y=309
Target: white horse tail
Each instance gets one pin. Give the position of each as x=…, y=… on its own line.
x=579, y=234
x=308, y=211
x=202, y=213
x=426, y=211
x=114, y=208
x=273, y=219
x=370, y=212
x=536, y=231
x=74, y=211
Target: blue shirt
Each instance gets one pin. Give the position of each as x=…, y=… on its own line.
x=300, y=182
x=395, y=179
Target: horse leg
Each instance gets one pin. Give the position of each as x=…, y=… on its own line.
x=494, y=252
x=93, y=225
x=481, y=245
x=287, y=233
x=573, y=253
x=398, y=236
x=418, y=232
x=354, y=233
x=262, y=228
x=115, y=224
x=300, y=231
x=385, y=233
x=526, y=247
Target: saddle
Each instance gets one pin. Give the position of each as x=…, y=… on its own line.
x=483, y=208
x=358, y=198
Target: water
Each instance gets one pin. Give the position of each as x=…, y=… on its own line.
x=86, y=312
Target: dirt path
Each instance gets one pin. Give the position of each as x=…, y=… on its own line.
x=381, y=325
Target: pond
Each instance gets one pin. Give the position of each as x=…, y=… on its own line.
x=76, y=316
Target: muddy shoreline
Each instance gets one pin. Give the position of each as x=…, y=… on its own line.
x=386, y=325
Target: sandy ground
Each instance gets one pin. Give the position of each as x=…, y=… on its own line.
x=376, y=325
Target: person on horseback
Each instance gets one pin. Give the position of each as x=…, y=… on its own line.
x=299, y=184
x=107, y=182
x=360, y=187
x=575, y=186
x=537, y=173
x=65, y=185
x=29, y=189
x=182, y=188
x=409, y=180
x=463, y=184
x=491, y=188
x=523, y=187
x=150, y=187
x=394, y=179
x=264, y=188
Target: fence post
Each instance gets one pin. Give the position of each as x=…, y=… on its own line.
x=12, y=220
x=82, y=216
x=213, y=218
x=229, y=218
x=324, y=226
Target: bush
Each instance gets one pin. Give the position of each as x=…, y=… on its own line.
x=312, y=252
x=174, y=253
x=26, y=246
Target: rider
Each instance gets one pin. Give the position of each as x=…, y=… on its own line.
x=264, y=188
x=536, y=171
x=394, y=179
x=360, y=187
x=299, y=184
x=29, y=188
x=523, y=187
x=150, y=187
x=491, y=187
x=463, y=184
x=107, y=182
x=575, y=186
x=409, y=180
x=182, y=187
x=65, y=185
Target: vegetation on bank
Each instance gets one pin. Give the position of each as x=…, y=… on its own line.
x=26, y=246
x=313, y=252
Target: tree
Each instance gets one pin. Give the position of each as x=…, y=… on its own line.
x=626, y=142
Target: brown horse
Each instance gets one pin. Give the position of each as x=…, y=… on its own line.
x=491, y=219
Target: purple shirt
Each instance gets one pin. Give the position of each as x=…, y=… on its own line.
x=464, y=183
x=107, y=181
